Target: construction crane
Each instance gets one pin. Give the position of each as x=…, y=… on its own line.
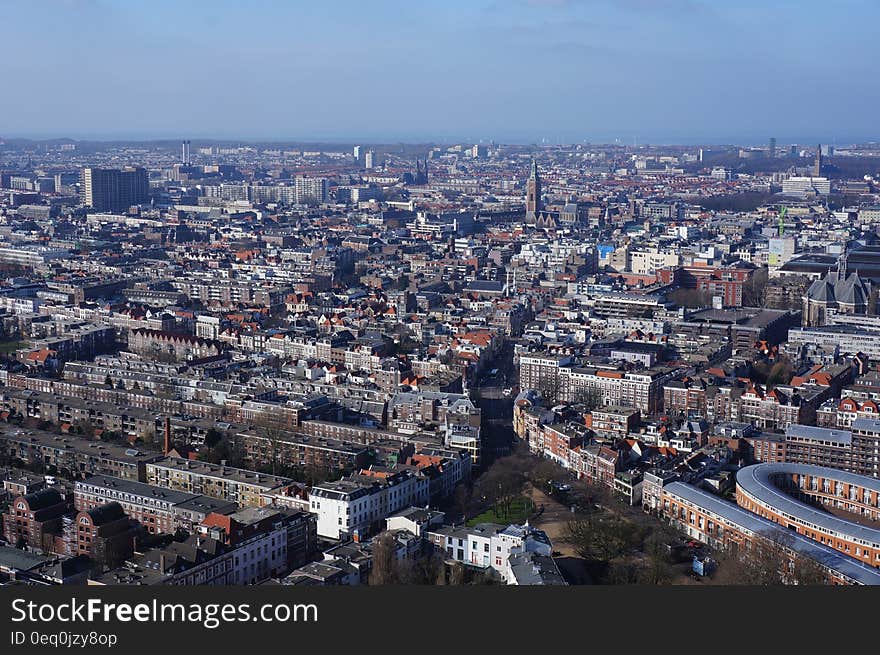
x=782, y=211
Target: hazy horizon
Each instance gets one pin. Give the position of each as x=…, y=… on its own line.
x=684, y=72
x=392, y=141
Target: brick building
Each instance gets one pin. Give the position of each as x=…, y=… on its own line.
x=35, y=519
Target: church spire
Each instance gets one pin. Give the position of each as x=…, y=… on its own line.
x=533, y=192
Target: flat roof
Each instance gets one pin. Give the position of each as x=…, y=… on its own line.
x=15, y=558
x=756, y=482
x=828, y=557
x=868, y=424
x=141, y=489
x=842, y=437
x=106, y=449
x=218, y=471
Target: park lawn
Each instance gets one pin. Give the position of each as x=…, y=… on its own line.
x=11, y=346
x=520, y=510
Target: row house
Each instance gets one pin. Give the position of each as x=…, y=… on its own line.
x=262, y=448
x=196, y=561
x=597, y=464
x=642, y=390
x=775, y=409
x=557, y=441
x=267, y=542
x=685, y=397
x=842, y=413
x=355, y=506
x=158, y=509
x=137, y=398
x=614, y=421
x=75, y=457
x=444, y=468
x=246, y=488
x=67, y=412
x=172, y=345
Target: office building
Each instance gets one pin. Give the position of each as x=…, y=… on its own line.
x=114, y=190
x=803, y=185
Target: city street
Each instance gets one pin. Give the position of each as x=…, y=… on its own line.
x=497, y=407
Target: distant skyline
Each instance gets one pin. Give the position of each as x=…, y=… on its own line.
x=514, y=71
x=347, y=142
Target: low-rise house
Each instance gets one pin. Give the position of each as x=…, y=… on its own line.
x=488, y=546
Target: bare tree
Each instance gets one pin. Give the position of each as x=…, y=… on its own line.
x=549, y=387
x=590, y=397
x=384, y=569
x=456, y=574
x=425, y=569
x=754, y=290
x=462, y=498
x=807, y=571
x=602, y=537
x=657, y=569
x=770, y=560
x=503, y=482
x=274, y=426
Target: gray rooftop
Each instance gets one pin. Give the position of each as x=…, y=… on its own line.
x=867, y=424
x=828, y=557
x=220, y=472
x=141, y=489
x=757, y=482
x=534, y=569
x=841, y=437
x=20, y=560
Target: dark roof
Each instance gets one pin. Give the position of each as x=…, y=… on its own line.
x=106, y=513
x=42, y=499
x=492, y=286
x=20, y=560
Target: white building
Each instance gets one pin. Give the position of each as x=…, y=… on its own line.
x=646, y=262
x=488, y=545
x=803, y=185
x=357, y=505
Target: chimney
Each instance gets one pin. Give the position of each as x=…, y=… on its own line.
x=166, y=448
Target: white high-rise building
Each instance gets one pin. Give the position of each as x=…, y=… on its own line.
x=803, y=185
x=310, y=190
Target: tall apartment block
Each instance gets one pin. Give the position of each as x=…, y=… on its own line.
x=114, y=190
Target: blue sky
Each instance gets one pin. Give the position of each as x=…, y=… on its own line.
x=670, y=71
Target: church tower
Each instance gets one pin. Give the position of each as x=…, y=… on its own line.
x=533, y=192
